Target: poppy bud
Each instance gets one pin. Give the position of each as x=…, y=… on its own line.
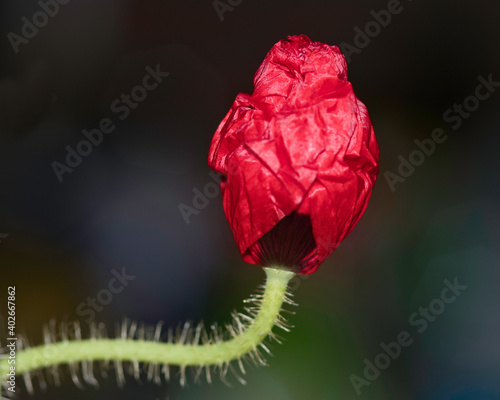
x=298, y=158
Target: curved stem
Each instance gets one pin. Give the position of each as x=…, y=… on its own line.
x=155, y=352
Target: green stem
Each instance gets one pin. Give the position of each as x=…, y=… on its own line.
x=123, y=350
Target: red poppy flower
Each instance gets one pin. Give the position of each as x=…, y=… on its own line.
x=298, y=158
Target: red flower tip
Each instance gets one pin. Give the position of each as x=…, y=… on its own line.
x=298, y=157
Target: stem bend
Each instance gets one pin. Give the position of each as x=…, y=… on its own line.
x=192, y=347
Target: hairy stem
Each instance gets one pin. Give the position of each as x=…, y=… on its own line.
x=155, y=352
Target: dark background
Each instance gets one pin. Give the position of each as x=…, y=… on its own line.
x=119, y=207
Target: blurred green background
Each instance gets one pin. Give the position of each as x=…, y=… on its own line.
x=119, y=207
